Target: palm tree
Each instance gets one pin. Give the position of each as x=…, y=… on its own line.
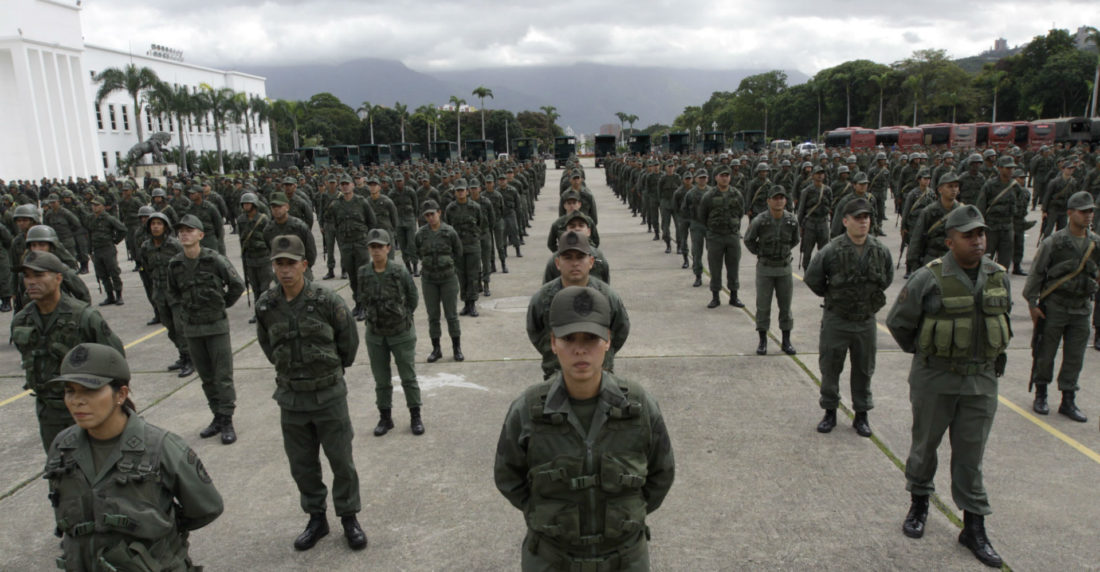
x=288, y=111
x=219, y=104
x=402, y=114
x=551, y=115
x=481, y=93
x=242, y=109
x=132, y=80
x=880, y=81
x=997, y=78
x=367, y=112
x=426, y=112
x=261, y=111
x=458, y=103
x=177, y=102
x=622, y=119
x=630, y=119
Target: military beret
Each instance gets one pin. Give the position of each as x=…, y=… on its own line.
x=964, y=219
x=42, y=262
x=190, y=221
x=579, y=309
x=857, y=207
x=278, y=198
x=947, y=178
x=1081, y=201
x=288, y=246
x=93, y=366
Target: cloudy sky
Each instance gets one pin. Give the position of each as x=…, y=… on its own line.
x=428, y=35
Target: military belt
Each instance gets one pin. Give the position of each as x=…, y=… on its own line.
x=774, y=263
x=562, y=560
x=311, y=384
x=957, y=366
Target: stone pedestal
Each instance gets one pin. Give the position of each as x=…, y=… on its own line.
x=155, y=170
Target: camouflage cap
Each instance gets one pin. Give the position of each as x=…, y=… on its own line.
x=331, y=179
x=974, y=158
x=373, y=180
x=579, y=175
x=97, y=201
x=785, y=163
x=989, y=153
x=52, y=198
x=93, y=366
x=850, y=159
x=735, y=163
x=42, y=261
x=948, y=155
x=177, y=186
x=473, y=183
x=965, y=219
x=190, y=221
x=702, y=174
x=842, y=169
x=290, y=181
x=1081, y=201
x=378, y=236
x=429, y=206
x=579, y=309
x=459, y=185
x=1018, y=172
x=570, y=195
x=860, y=179
x=287, y=246
x=857, y=207
x=777, y=190
x=1006, y=161
x=818, y=169
x=194, y=190
x=579, y=214
x=947, y=178
x=924, y=173
x=573, y=240
x=723, y=170
x=278, y=198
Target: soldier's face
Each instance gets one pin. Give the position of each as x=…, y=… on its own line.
x=98, y=209
x=857, y=225
x=189, y=236
x=572, y=205
x=157, y=227
x=375, y=189
x=41, y=285
x=967, y=247
x=23, y=224
x=347, y=189
x=280, y=212
x=574, y=265
x=289, y=272
x=91, y=408
x=580, y=355
x=39, y=246
x=777, y=203
x=379, y=253
x=702, y=181
x=949, y=191
x=1080, y=219
x=580, y=226
x=248, y=207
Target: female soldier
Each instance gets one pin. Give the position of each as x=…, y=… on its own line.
x=125, y=493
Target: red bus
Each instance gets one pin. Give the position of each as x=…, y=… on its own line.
x=949, y=134
x=851, y=137
x=981, y=135
x=1007, y=134
x=910, y=137
x=1040, y=133
x=886, y=136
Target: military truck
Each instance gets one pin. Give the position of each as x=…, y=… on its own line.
x=605, y=146
x=313, y=156
x=679, y=142
x=282, y=161
x=565, y=146
x=639, y=144
x=344, y=155
x=714, y=142
x=525, y=148
x=444, y=151
x=372, y=154
x=402, y=153
x=478, y=150
x=748, y=140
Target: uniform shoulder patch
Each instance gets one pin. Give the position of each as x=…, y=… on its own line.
x=903, y=295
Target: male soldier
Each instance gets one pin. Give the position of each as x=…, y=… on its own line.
x=859, y=191
x=408, y=204
x=299, y=206
x=578, y=222
x=128, y=213
x=255, y=252
x=852, y=273
x=927, y=239
x=45, y=330
x=1021, y=199
x=588, y=201
x=958, y=354
x=485, y=242
x=388, y=294
x=155, y=252
x=771, y=236
x=879, y=176
x=915, y=200
x=329, y=193
x=511, y=212
x=497, y=201
x=385, y=211
x=1059, y=294
x=439, y=248
x=161, y=204
x=352, y=216
x=997, y=201
x=697, y=227
x=1056, y=197
x=574, y=262
x=720, y=210
x=43, y=239
x=666, y=188
x=681, y=217
x=283, y=223
x=813, y=215
x=65, y=224
x=213, y=227
x=466, y=218
x=583, y=410
x=756, y=194
x=307, y=333
x=202, y=284
x=6, y=279
x=572, y=203
x=105, y=231
x=972, y=185
x=1042, y=168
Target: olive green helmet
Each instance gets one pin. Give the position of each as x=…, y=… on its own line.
x=42, y=233
x=161, y=217
x=249, y=198
x=146, y=210
x=159, y=192
x=26, y=211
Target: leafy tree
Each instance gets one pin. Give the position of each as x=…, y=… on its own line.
x=368, y=110
x=175, y=102
x=131, y=79
x=217, y=103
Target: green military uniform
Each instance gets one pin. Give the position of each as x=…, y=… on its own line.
x=297, y=227
x=697, y=228
x=756, y=192
x=1022, y=198
x=104, y=232
x=311, y=340
x=352, y=217
x=201, y=289
x=255, y=251
x=439, y=250
x=955, y=323
x=408, y=205
x=328, y=231
x=538, y=323
x=467, y=220
x=667, y=186
x=155, y=256
x=771, y=240
x=212, y=227
x=1063, y=283
x=485, y=242
x=44, y=339
x=681, y=217
x=928, y=234
x=998, y=205
x=720, y=210
x=6, y=278
x=126, y=503
x=585, y=472
x=852, y=279
x=390, y=297
x=65, y=223
x=813, y=217
x=509, y=213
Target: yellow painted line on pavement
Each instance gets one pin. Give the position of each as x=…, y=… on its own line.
x=1046, y=427
x=126, y=347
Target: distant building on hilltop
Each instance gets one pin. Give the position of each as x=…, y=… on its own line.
x=1000, y=45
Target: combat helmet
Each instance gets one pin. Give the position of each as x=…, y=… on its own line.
x=42, y=233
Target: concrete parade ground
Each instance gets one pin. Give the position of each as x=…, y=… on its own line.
x=757, y=488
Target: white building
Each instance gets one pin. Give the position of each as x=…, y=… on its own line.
x=52, y=127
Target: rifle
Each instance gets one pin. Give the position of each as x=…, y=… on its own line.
x=247, y=289
x=901, y=253
x=1036, y=341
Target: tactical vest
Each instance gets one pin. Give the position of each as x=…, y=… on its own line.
x=726, y=209
x=935, y=233
x=154, y=259
x=817, y=208
x=254, y=247
x=466, y=220
x=350, y=218
x=1060, y=193
x=963, y=328
x=201, y=292
x=775, y=247
x=383, y=297
x=1078, y=291
x=303, y=350
x=588, y=499
x=436, y=253
x=103, y=233
x=42, y=352
x=857, y=285
x=1000, y=200
x=131, y=513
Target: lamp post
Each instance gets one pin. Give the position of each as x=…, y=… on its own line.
x=698, y=134
x=507, y=140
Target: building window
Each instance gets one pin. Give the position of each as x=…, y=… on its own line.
x=125, y=119
x=118, y=158
x=160, y=123
x=99, y=117
x=106, y=165
x=170, y=127
x=111, y=113
x=148, y=120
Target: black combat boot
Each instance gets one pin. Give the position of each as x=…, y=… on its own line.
x=188, y=367
x=178, y=365
x=385, y=423
x=456, y=344
x=686, y=263
x=735, y=301
x=1069, y=408
x=436, y=352
x=763, y=347
x=656, y=235
x=416, y=424
x=860, y=424
x=786, y=346
x=827, y=422
x=493, y=266
x=110, y=301
x=503, y=266
x=229, y=434
x=668, y=246
x=213, y=428
x=485, y=289
x=1096, y=340
x=1040, y=404
x=698, y=281
x=83, y=267
x=316, y=529
x=357, y=539
x=1019, y=271
x=714, y=301
x=118, y=297
x=518, y=254
x=913, y=527
x=473, y=309
x=155, y=320
x=416, y=269
x=973, y=537
x=5, y=306
x=330, y=275
x=465, y=311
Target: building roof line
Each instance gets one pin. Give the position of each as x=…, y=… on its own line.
x=172, y=62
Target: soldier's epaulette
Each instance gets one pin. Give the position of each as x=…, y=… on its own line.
x=932, y=263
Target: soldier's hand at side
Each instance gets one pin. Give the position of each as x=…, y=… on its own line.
x=1036, y=315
